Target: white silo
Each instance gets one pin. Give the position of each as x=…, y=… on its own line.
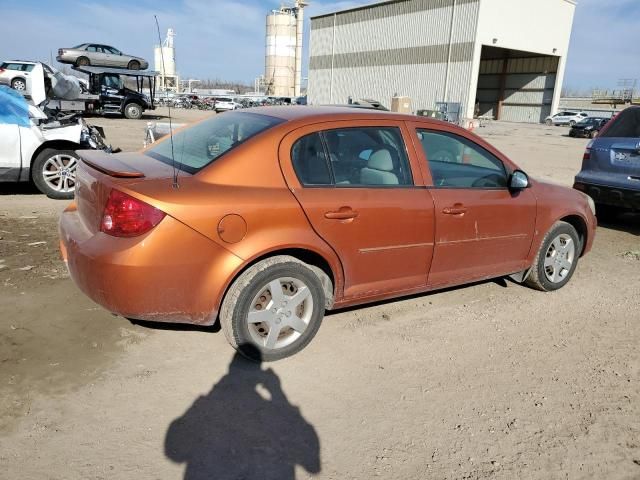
x=283, y=59
x=165, y=63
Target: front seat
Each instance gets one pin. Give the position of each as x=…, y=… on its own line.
x=379, y=169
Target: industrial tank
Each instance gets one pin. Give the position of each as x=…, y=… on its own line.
x=280, y=60
x=167, y=51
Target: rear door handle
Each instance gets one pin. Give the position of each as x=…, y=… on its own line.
x=343, y=213
x=457, y=209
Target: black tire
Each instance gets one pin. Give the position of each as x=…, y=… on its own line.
x=537, y=277
x=593, y=134
x=548, y=122
x=133, y=65
x=236, y=305
x=133, y=111
x=82, y=62
x=572, y=123
x=38, y=173
x=572, y=133
x=19, y=84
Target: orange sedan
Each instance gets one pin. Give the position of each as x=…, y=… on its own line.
x=267, y=217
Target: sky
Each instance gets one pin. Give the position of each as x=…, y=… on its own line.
x=225, y=39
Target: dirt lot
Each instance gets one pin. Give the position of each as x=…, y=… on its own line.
x=488, y=381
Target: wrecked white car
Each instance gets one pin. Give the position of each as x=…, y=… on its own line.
x=39, y=147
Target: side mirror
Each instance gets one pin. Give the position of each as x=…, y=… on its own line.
x=518, y=180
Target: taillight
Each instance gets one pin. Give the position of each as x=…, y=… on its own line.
x=586, y=155
x=126, y=216
x=60, y=51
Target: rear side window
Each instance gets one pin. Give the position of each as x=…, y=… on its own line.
x=310, y=162
x=368, y=156
x=625, y=125
x=196, y=147
x=352, y=157
x=456, y=162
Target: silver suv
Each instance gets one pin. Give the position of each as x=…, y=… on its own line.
x=15, y=73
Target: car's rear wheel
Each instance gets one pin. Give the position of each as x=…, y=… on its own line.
x=557, y=258
x=133, y=111
x=273, y=309
x=549, y=122
x=82, y=62
x=54, y=173
x=572, y=123
x=133, y=65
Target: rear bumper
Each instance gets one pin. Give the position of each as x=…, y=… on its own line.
x=171, y=274
x=610, y=195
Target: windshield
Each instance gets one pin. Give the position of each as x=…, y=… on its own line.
x=196, y=147
x=625, y=125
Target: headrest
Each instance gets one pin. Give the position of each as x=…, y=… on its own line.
x=381, y=160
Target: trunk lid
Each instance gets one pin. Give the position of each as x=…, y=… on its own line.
x=617, y=155
x=98, y=172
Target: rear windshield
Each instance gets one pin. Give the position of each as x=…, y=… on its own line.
x=625, y=125
x=196, y=147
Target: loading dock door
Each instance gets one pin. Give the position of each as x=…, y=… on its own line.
x=516, y=86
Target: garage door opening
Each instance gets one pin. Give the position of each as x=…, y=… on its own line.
x=515, y=86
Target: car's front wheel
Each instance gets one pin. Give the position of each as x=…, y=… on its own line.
x=549, y=122
x=134, y=65
x=19, y=84
x=572, y=123
x=557, y=258
x=54, y=173
x=273, y=309
x=133, y=111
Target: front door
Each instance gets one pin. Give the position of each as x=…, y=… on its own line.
x=482, y=228
x=357, y=187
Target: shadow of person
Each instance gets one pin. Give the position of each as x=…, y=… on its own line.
x=245, y=428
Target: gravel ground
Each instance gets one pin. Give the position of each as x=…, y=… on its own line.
x=492, y=380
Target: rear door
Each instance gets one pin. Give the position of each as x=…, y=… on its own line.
x=616, y=151
x=361, y=189
x=482, y=228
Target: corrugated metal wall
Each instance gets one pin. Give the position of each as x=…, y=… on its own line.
x=528, y=87
x=400, y=47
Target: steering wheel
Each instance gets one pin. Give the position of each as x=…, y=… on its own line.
x=488, y=181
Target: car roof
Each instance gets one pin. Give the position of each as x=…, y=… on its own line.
x=20, y=61
x=330, y=113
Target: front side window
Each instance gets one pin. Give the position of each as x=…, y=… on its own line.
x=456, y=162
x=196, y=147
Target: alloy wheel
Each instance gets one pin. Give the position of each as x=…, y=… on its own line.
x=59, y=173
x=559, y=258
x=280, y=313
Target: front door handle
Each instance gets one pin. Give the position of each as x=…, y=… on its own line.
x=457, y=209
x=343, y=213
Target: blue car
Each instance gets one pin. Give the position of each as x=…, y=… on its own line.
x=611, y=165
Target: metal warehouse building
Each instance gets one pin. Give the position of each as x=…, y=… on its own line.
x=498, y=58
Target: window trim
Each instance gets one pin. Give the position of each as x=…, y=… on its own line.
x=507, y=170
x=325, y=147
